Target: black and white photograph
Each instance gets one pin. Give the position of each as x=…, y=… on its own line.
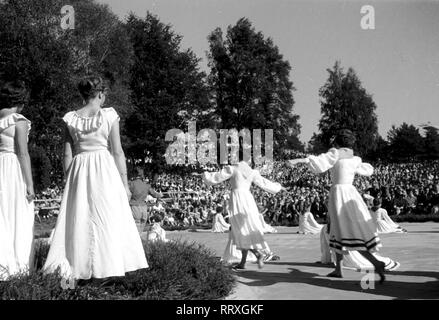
x=227, y=152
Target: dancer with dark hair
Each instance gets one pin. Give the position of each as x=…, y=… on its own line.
x=352, y=227
x=95, y=234
x=247, y=231
x=16, y=185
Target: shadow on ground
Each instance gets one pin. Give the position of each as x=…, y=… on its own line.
x=390, y=288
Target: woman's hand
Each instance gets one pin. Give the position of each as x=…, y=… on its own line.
x=294, y=162
x=30, y=193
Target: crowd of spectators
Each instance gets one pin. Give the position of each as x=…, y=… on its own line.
x=403, y=188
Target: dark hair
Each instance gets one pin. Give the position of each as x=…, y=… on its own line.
x=377, y=202
x=12, y=94
x=89, y=87
x=344, y=139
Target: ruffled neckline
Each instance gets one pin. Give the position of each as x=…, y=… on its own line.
x=85, y=124
x=345, y=153
x=11, y=120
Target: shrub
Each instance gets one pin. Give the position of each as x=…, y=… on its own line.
x=177, y=270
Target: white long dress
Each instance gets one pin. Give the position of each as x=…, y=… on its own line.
x=219, y=224
x=352, y=227
x=16, y=212
x=308, y=225
x=383, y=222
x=353, y=260
x=95, y=234
x=246, y=227
x=232, y=255
x=266, y=227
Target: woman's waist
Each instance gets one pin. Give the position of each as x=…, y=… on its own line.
x=342, y=184
x=7, y=152
x=83, y=152
x=239, y=189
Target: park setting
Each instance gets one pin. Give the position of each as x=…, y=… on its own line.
x=219, y=150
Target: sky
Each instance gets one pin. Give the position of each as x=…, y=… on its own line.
x=397, y=62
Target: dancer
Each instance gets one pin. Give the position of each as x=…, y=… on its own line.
x=383, y=222
x=232, y=255
x=16, y=185
x=267, y=228
x=307, y=223
x=219, y=224
x=352, y=227
x=246, y=227
x=95, y=234
x=352, y=260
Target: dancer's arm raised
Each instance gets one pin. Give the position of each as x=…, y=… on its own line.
x=320, y=163
x=212, y=178
x=267, y=185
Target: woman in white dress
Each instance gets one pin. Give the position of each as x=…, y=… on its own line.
x=383, y=222
x=353, y=260
x=307, y=223
x=352, y=227
x=219, y=224
x=267, y=228
x=246, y=227
x=95, y=234
x=16, y=185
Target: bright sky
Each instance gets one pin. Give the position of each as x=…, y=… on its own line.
x=397, y=62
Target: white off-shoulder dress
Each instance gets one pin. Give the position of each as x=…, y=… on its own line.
x=219, y=224
x=308, y=225
x=247, y=230
x=384, y=223
x=16, y=212
x=95, y=234
x=352, y=227
x=353, y=260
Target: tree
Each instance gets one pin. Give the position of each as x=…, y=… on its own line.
x=51, y=60
x=381, y=151
x=405, y=142
x=250, y=84
x=346, y=104
x=167, y=87
x=431, y=142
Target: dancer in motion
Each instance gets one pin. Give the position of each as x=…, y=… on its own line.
x=352, y=260
x=352, y=227
x=95, y=234
x=246, y=227
x=16, y=185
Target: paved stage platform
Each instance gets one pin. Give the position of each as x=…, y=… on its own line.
x=297, y=275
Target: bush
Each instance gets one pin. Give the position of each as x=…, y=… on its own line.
x=177, y=270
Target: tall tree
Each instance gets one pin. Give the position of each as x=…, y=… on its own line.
x=168, y=89
x=431, y=142
x=346, y=104
x=405, y=142
x=50, y=60
x=250, y=84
